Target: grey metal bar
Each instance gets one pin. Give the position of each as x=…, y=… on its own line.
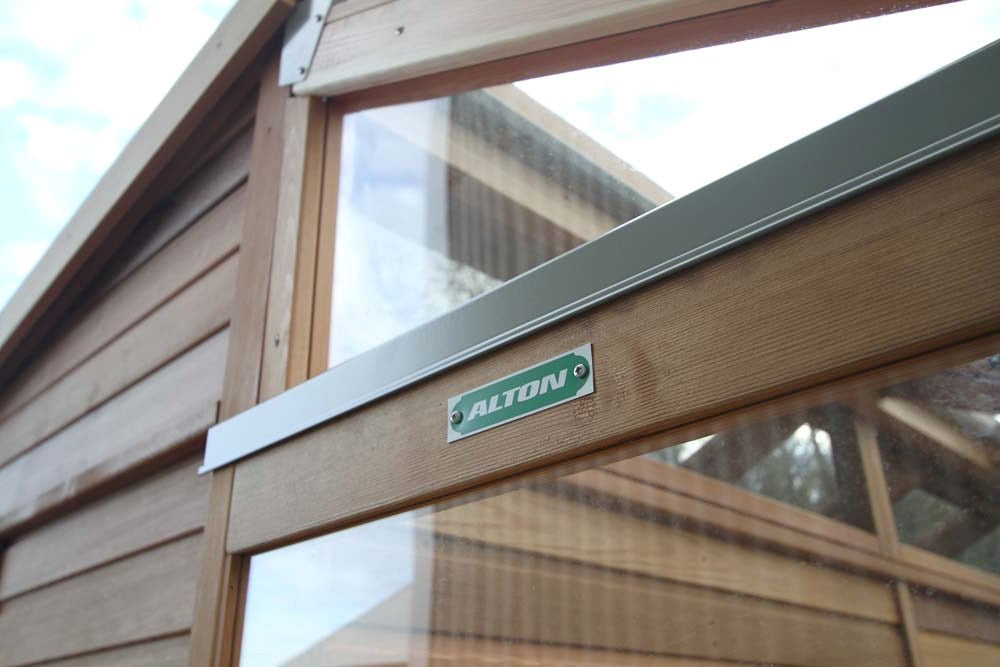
x=939, y=114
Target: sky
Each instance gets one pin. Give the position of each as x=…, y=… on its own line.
x=78, y=79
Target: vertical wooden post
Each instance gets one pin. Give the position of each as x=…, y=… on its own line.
x=885, y=529
x=218, y=584
x=313, y=181
x=878, y=491
x=270, y=335
x=323, y=303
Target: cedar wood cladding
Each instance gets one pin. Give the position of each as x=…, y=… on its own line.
x=121, y=392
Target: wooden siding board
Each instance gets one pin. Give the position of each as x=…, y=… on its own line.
x=946, y=651
x=947, y=615
x=575, y=530
x=193, y=315
x=198, y=197
x=155, y=510
x=184, y=260
x=146, y=596
x=164, y=410
x=218, y=581
x=169, y=652
x=488, y=594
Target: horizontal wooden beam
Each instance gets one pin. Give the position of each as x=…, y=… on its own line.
x=668, y=353
x=368, y=44
x=397, y=40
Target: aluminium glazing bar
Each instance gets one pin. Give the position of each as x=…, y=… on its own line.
x=946, y=111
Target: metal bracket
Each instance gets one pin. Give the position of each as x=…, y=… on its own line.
x=302, y=31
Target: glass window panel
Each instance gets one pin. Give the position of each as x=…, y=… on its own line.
x=442, y=200
x=940, y=443
x=807, y=459
x=733, y=546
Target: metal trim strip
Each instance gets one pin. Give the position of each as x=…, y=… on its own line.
x=940, y=114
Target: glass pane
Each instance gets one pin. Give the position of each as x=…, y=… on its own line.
x=444, y=199
x=807, y=459
x=752, y=545
x=940, y=443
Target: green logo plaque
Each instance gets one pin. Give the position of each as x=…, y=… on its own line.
x=558, y=380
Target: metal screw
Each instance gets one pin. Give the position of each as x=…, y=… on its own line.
x=319, y=17
x=456, y=417
x=302, y=70
x=277, y=341
x=579, y=371
x=400, y=30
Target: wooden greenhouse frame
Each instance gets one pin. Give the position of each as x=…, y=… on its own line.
x=192, y=290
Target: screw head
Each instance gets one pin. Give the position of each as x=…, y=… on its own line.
x=579, y=371
x=455, y=417
x=302, y=70
x=400, y=30
x=319, y=17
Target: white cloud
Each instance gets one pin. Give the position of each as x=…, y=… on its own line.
x=116, y=61
x=19, y=83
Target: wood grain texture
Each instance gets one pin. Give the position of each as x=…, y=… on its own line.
x=146, y=596
x=242, y=380
x=946, y=651
x=192, y=316
x=314, y=189
x=400, y=40
x=322, y=307
x=170, y=652
x=944, y=571
x=484, y=593
x=504, y=65
x=947, y=615
x=575, y=529
x=878, y=492
x=364, y=646
x=236, y=42
x=184, y=260
x=158, y=509
x=908, y=624
x=831, y=296
x=178, y=210
x=219, y=577
x=291, y=286
x=142, y=424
